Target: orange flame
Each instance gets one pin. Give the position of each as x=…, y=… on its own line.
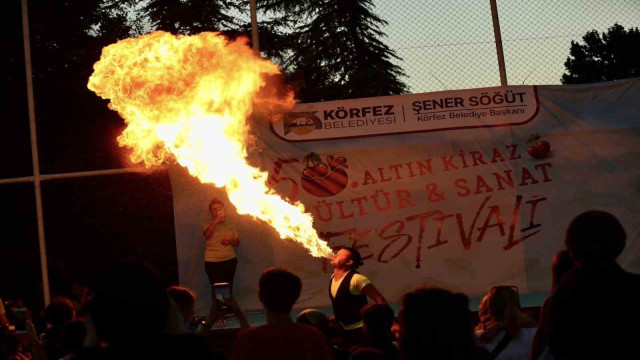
x=189, y=97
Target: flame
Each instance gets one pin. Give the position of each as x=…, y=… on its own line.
x=189, y=97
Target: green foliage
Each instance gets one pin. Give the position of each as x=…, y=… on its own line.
x=312, y=157
x=192, y=16
x=614, y=55
x=333, y=49
x=328, y=49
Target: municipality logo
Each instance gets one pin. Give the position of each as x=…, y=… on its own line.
x=301, y=123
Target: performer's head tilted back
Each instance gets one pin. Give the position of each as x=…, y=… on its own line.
x=346, y=259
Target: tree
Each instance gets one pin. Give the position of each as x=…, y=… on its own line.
x=335, y=49
x=191, y=16
x=614, y=55
x=67, y=37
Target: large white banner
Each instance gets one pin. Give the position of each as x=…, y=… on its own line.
x=441, y=189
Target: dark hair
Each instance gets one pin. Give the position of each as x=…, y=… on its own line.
x=59, y=311
x=378, y=318
x=279, y=289
x=595, y=236
x=355, y=256
x=215, y=200
x=317, y=319
x=132, y=291
x=433, y=323
x=503, y=305
x=183, y=298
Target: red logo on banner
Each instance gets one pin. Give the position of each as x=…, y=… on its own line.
x=324, y=179
x=301, y=123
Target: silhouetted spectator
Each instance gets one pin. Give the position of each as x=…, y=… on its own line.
x=130, y=313
x=562, y=264
x=503, y=329
x=280, y=338
x=11, y=346
x=58, y=313
x=73, y=338
x=436, y=324
x=594, y=312
x=131, y=298
x=378, y=319
x=317, y=319
x=320, y=321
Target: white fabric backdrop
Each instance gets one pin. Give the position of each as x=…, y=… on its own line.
x=594, y=135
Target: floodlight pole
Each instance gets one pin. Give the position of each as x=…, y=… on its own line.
x=254, y=27
x=496, y=32
x=34, y=153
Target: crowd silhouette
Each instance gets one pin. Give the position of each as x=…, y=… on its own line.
x=593, y=311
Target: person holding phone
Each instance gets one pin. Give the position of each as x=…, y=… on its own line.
x=220, y=260
x=20, y=320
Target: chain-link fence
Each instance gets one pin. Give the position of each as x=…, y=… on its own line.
x=448, y=45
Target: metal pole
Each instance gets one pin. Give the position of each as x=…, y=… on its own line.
x=16, y=180
x=34, y=153
x=496, y=32
x=99, y=172
x=81, y=174
x=254, y=27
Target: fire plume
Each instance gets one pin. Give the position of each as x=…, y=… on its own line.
x=189, y=97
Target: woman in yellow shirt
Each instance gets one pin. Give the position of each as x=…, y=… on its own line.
x=219, y=257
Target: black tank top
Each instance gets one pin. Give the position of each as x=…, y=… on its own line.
x=346, y=306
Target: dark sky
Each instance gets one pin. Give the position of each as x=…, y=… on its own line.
x=91, y=223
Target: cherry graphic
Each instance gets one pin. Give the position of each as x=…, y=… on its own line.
x=336, y=163
x=316, y=171
x=324, y=179
x=538, y=149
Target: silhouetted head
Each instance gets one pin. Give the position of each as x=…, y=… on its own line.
x=317, y=319
x=131, y=304
x=595, y=237
x=347, y=258
x=59, y=311
x=433, y=323
x=278, y=290
x=377, y=319
x=502, y=304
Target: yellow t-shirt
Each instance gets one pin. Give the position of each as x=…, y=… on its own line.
x=214, y=250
